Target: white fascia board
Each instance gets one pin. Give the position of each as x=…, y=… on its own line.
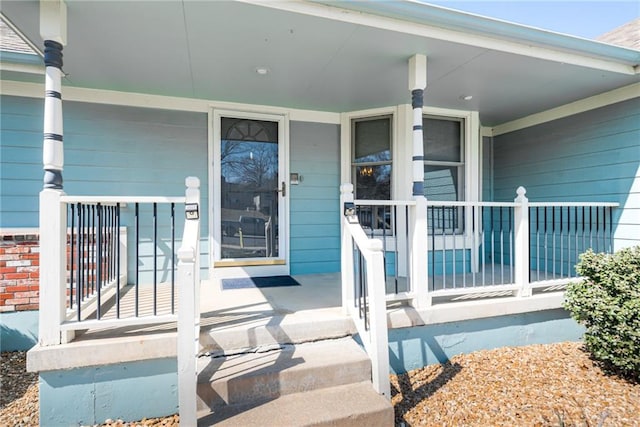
x=98, y=96
x=591, y=103
x=335, y=13
x=22, y=68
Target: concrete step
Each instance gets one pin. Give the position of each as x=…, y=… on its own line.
x=345, y=405
x=261, y=376
x=248, y=332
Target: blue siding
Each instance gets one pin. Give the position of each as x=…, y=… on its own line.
x=315, y=226
x=591, y=156
x=109, y=150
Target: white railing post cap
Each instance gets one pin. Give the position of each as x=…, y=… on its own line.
x=521, y=191
x=192, y=182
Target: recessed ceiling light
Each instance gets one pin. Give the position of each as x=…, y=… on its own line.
x=466, y=97
x=263, y=71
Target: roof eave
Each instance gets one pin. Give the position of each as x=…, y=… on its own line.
x=426, y=14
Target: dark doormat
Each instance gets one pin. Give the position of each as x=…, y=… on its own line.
x=259, y=282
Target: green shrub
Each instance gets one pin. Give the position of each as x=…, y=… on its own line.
x=607, y=303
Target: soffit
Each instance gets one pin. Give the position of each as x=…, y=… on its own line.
x=210, y=50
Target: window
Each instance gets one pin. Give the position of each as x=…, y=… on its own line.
x=371, y=157
x=443, y=145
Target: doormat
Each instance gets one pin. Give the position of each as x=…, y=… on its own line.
x=259, y=282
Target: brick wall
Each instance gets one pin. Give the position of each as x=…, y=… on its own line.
x=19, y=270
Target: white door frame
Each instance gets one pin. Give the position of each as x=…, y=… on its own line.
x=244, y=268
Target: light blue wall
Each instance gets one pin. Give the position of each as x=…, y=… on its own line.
x=109, y=150
x=315, y=226
x=114, y=150
x=128, y=391
x=413, y=348
x=18, y=330
x=591, y=156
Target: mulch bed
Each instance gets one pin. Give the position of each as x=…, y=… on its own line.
x=536, y=385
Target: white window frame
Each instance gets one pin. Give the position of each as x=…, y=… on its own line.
x=346, y=145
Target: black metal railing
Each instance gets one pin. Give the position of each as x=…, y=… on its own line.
x=388, y=221
x=559, y=233
x=98, y=248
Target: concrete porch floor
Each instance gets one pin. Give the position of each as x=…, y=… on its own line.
x=240, y=320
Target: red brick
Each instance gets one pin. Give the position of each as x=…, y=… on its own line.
x=16, y=276
x=4, y=270
x=2, y=251
x=29, y=294
x=6, y=295
x=18, y=250
x=30, y=256
x=34, y=287
x=13, y=289
x=17, y=301
x=24, y=307
x=34, y=275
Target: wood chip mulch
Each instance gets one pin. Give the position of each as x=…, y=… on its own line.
x=536, y=385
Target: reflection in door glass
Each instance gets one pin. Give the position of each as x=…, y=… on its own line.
x=249, y=182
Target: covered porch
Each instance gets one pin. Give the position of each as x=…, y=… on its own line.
x=391, y=231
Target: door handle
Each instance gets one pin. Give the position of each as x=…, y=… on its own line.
x=282, y=190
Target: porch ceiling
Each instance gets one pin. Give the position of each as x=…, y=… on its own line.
x=211, y=49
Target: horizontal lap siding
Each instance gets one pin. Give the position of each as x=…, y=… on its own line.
x=109, y=151
x=591, y=156
x=315, y=227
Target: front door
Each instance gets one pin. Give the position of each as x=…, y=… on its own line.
x=249, y=194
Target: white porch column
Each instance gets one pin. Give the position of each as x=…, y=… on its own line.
x=53, y=213
x=419, y=246
x=53, y=29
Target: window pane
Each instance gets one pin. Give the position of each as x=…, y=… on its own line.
x=441, y=139
x=373, y=182
x=372, y=140
x=441, y=182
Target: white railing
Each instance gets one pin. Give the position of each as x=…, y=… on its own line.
x=85, y=243
x=457, y=250
x=363, y=287
x=189, y=307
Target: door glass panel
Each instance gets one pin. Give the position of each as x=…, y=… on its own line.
x=249, y=188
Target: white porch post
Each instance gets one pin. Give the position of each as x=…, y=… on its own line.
x=188, y=305
x=346, y=252
x=418, y=232
x=53, y=213
x=521, y=244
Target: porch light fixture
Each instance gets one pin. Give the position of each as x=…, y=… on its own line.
x=466, y=97
x=263, y=71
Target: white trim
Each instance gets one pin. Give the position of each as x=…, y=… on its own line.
x=22, y=68
x=131, y=99
x=121, y=199
x=423, y=30
x=214, y=234
x=602, y=100
x=346, y=146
